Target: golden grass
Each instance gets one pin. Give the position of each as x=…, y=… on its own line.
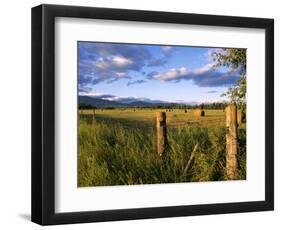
x=175, y=118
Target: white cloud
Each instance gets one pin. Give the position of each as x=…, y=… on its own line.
x=114, y=62
x=121, y=74
x=167, y=48
x=101, y=64
x=209, y=55
x=121, y=61
x=172, y=74
x=204, y=76
x=204, y=68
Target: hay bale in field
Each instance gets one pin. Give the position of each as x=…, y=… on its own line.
x=199, y=113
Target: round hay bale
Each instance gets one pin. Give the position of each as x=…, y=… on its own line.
x=199, y=113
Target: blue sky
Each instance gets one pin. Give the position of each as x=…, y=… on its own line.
x=117, y=71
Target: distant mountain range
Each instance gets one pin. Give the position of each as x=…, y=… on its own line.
x=113, y=101
x=98, y=102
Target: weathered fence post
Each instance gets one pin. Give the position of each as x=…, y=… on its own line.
x=161, y=130
x=239, y=117
x=231, y=142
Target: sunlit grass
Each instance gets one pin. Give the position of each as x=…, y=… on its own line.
x=119, y=148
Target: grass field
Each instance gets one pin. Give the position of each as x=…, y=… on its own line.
x=119, y=147
x=175, y=118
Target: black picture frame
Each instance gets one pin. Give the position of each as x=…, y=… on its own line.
x=43, y=114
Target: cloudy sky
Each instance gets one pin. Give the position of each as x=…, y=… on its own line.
x=156, y=72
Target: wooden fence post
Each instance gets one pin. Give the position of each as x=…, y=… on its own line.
x=239, y=117
x=161, y=130
x=231, y=142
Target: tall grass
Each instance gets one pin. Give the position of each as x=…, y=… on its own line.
x=113, y=154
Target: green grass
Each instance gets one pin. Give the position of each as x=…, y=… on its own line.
x=119, y=149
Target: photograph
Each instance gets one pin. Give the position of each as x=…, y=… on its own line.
x=142, y=113
x=152, y=114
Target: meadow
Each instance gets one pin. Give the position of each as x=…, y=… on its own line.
x=118, y=147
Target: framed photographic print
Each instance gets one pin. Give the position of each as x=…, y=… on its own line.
x=142, y=114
